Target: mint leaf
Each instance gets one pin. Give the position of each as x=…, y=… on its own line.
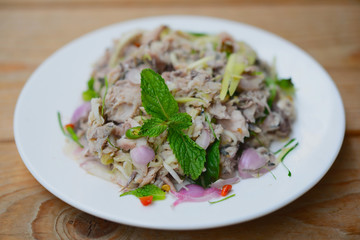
x=156, y=97
x=271, y=84
x=190, y=155
x=212, y=165
x=147, y=190
x=153, y=127
x=90, y=83
x=180, y=121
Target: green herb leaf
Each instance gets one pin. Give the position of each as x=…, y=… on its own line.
x=156, y=97
x=271, y=84
x=286, y=85
x=180, y=121
x=284, y=152
x=153, y=127
x=212, y=165
x=89, y=94
x=147, y=190
x=90, y=83
x=190, y=155
x=223, y=199
x=287, y=144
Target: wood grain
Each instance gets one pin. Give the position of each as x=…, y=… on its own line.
x=31, y=30
x=331, y=210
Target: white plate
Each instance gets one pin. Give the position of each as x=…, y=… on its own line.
x=57, y=85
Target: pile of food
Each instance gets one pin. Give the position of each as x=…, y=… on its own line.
x=166, y=107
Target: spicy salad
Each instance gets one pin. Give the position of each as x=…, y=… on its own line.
x=181, y=112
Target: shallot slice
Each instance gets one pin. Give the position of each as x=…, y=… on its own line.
x=195, y=193
x=142, y=155
x=81, y=111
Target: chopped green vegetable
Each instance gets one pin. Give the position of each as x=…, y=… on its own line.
x=274, y=84
x=133, y=133
x=223, y=199
x=233, y=69
x=197, y=34
x=190, y=155
x=90, y=83
x=271, y=84
x=286, y=85
x=147, y=190
x=288, y=150
x=61, y=125
x=108, y=140
x=70, y=131
x=210, y=125
x=189, y=99
x=73, y=136
x=156, y=97
x=287, y=144
x=90, y=93
x=284, y=151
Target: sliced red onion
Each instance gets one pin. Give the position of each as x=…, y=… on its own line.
x=195, y=193
x=252, y=164
x=245, y=174
x=142, y=155
x=221, y=182
x=82, y=111
x=250, y=159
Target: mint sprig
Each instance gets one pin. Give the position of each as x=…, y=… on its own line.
x=212, y=165
x=161, y=105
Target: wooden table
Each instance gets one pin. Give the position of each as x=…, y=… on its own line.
x=31, y=30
